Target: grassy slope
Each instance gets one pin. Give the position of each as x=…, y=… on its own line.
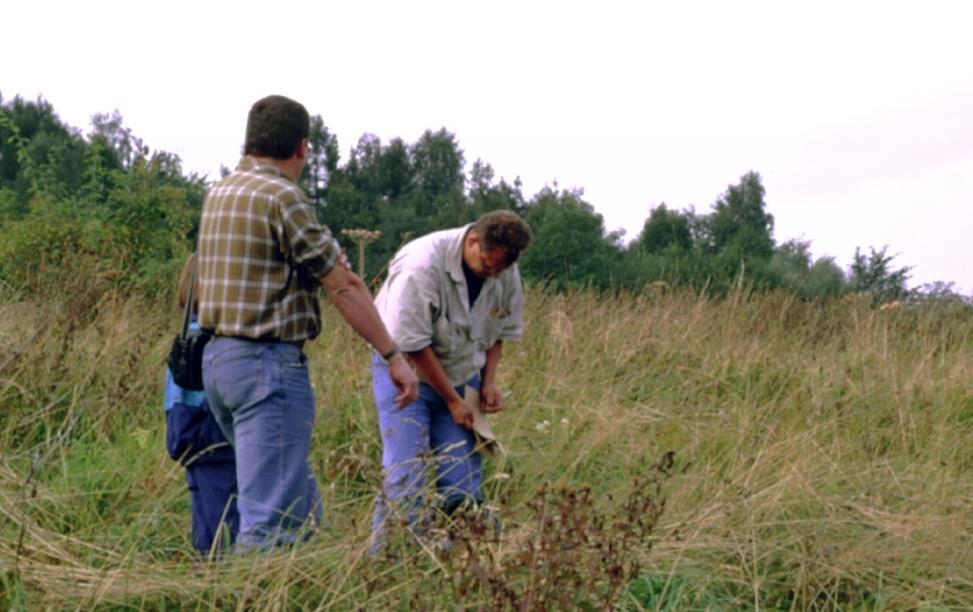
x=823, y=459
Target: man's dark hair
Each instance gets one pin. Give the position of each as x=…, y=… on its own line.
x=275, y=126
x=503, y=229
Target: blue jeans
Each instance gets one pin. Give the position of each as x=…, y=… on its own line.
x=194, y=438
x=260, y=395
x=212, y=490
x=421, y=433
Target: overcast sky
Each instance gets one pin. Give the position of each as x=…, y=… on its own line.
x=858, y=115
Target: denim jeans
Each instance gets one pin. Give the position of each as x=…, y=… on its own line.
x=260, y=395
x=213, y=495
x=421, y=433
x=194, y=438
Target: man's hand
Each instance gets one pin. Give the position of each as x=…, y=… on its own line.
x=490, y=398
x=461, y=411
x=405, y=380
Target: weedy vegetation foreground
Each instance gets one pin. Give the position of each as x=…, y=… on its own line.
x=665, y=451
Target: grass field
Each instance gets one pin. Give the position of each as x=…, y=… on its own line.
x=664, y=452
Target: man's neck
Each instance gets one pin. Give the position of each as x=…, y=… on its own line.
x=466, y=252
x=291, y=168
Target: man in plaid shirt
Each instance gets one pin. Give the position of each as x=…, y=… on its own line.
x=262, y=258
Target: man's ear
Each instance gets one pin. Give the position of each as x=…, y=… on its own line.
x=302, y=149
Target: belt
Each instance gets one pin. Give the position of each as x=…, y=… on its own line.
x=297, y=343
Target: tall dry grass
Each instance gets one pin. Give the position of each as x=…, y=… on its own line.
x=822, y=457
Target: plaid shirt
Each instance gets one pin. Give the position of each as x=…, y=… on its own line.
x=261, y=255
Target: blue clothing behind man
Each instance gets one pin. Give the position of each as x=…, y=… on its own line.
x=195, y=440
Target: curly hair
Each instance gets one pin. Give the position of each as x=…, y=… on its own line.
x=503, y=229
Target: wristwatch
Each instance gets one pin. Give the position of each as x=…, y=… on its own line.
x=392, y=352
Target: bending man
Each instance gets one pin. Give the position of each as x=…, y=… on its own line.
x=450, y=301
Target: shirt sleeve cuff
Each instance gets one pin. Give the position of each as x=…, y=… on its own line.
x=319, y=267
x=412, y=345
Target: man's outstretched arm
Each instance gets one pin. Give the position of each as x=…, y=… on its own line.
x=351, y=297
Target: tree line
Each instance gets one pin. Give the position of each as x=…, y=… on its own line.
x=105, y=207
